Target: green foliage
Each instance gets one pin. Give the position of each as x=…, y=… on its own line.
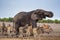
x=10, y=19
x=49, y=21
x=6, y=19
x=56, y=21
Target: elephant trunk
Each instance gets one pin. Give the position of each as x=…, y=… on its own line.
x=49, y=14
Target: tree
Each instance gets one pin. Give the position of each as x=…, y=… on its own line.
x=10, y=19
x=6, y=19
x=56, y=21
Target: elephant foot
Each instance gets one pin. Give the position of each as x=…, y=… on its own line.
x=17, y=36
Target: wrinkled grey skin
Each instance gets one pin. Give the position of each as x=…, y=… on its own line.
x=30, y=18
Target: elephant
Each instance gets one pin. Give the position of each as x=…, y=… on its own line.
x=30, y=18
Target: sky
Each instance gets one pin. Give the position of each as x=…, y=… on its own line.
x=9, y=8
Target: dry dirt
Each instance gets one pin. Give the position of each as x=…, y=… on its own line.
x=55, y=35
x=37, y=38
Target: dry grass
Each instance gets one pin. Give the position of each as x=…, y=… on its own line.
x=56, y=26
x=32, y=38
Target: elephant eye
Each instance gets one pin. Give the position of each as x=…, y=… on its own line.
x=35, y=13
x=42, y=12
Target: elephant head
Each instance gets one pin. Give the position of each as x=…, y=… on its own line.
x=48, y=14
x=40, y=14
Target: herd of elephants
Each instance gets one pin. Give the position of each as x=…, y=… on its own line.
x=29, y=19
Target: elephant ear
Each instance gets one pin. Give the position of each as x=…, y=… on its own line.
x=33, y=16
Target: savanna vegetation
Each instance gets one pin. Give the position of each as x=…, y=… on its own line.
x=10, y=19
x=49, y=21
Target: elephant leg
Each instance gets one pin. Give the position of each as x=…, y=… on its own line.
x=34, y=25
x=17, y=29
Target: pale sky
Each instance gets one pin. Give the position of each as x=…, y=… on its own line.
x=9, y=8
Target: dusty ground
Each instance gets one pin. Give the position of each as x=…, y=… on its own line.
x=37, y=38
x=55, y=35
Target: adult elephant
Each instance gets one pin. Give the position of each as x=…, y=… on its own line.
x=23, y=18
